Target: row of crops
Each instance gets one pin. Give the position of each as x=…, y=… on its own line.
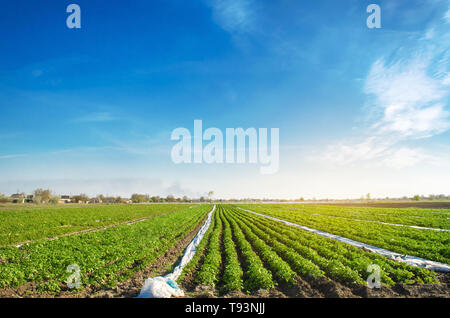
x=30, y=224
x=245, y=252
x=432, y=218
x=428, y=244
x=104, y=257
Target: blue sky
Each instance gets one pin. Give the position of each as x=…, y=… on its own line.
x=359, y=110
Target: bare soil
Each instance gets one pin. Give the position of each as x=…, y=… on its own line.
x=324, y=288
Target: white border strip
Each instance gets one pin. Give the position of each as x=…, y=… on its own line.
x=410, y=260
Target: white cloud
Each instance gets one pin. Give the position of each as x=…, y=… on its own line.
x=96, y=117
x=349, y=152
x=409, y=97
x=13, y=156
x=446, y=80
x=447, y=16
x=234, y=16
x=429, y=35
x=409, y=94
x=405, y=157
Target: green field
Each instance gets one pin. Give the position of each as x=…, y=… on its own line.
x=259, y=253
x=105, y=256
x=240, y=253
x=352, y=223
x=33, y=222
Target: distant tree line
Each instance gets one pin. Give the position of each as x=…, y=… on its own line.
x=46, y=196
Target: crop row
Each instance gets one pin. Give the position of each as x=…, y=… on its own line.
x=427, y=244
x=209, y=273
x=432, y=218
x=255, y=274
x=28, y=224
x=233, y=273
x=249, y=252
x=339, y=261
x=104, y=257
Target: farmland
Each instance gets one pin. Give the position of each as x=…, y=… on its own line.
x=30, y=224
x=105, y=257
x=364, y=225
x=261, y=254
x=242, y=254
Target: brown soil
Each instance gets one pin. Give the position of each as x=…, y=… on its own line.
x=324, y=288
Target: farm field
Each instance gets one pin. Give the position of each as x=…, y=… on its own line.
x=30, y=222
x=433, y=218
x=358, y=224
x=244, y=254
x=241, y=254
x=104, y=257
x=435, y=204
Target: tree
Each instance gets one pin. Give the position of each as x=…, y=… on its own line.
x=42, y=195
x=202, y=199
x=210, y=194
x=170, y=198
x=368, y=196
x=54, y=199
x=81, y=198
x=416, y=197
x=4, y=198
x=155, y=198
x=139, y=198
x=119, y=200
x=185, y=199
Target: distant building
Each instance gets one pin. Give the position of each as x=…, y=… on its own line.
x=18, y=198
x=65, y=199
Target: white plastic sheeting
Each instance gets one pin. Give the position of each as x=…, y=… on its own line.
x=410, y=260
x=166, y=287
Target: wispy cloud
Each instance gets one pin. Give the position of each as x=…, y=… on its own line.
x=408, y=91
x=405, y=157
x=96, y=117
x=13, y=156
x=10, y=135
x=447, y=16
x=411, y=100
x=234, y=16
